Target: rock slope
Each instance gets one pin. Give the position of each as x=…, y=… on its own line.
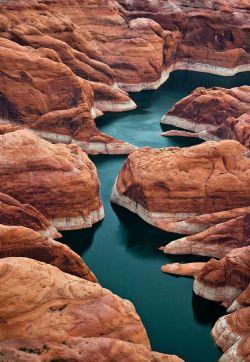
x=213, y=114
x=59, y=180
x=65, y=317
x=18, y=241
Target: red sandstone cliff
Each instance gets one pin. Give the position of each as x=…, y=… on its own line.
x=59, y=180
x=213, y=114
x=170, y=185
x=20, y=241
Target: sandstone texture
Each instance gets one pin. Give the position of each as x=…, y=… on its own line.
x=213, y=114
x=59, y=180
x=63, y=317
x=18, y=241
x=12, y=212
x=216, y=241
x=170, y=185
x=63, y=63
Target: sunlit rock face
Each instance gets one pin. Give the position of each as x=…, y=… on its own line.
x=12, y=212
x=211, y=36
x=162, y=187
x=216, y=241
x=20, y=241
x=213, y=114
x=59, y=180
x=53, y=315
x=68, y=60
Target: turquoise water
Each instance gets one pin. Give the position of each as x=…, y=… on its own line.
x=123, y=250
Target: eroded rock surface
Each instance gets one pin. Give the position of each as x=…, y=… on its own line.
x=68, y=60
x=162, y=186
x=213, y=114
x=12, y=212
x=216, y=241
x=74, y=315
x=18, y=241
x=59, y=180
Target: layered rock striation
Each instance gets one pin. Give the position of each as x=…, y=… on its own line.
x=213, y=114
x=18, y=241
x=65, y=317
x=59, y=180
x=68, y=60
x=162, y=185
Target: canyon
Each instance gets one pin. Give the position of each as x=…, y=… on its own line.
x=64, y=67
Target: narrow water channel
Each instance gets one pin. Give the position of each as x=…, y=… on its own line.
x=123, y=250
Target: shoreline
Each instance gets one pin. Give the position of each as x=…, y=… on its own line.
x=79, y=222
x=181, y=65
x=92, y=148
x=150, y=217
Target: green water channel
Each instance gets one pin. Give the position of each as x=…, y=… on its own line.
x=122, y=250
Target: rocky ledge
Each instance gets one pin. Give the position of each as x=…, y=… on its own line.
x=213, y=114
x=63, y=317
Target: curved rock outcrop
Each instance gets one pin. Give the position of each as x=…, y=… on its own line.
x=18, y=241
x=59, y=180
x=218, y=280
x=43, y=94
x=162, y=185
x=213, y=114
x=12, y=212
x=216, y=241
x=63, y=309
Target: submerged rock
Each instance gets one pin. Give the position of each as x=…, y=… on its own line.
x=63, y=316
x=213, y=114
x=60, y=181
x=19, y=241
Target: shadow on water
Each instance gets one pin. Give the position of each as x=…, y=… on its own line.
x=205, y=311
x=80, y=240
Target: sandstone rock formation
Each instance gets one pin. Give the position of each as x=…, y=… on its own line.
x=225, y=281
x=219, y=280
x=19, y=241
x=46, y=96
x=79, y=350
x=216, y=241
x=213, y=114
x=63, y=316
x=232, y=334
x=12, y=212
x=67, y=60
x=168, y=185
x=60, y=181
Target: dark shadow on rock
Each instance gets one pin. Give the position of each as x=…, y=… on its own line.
x=79, y=240
x=205, y=311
